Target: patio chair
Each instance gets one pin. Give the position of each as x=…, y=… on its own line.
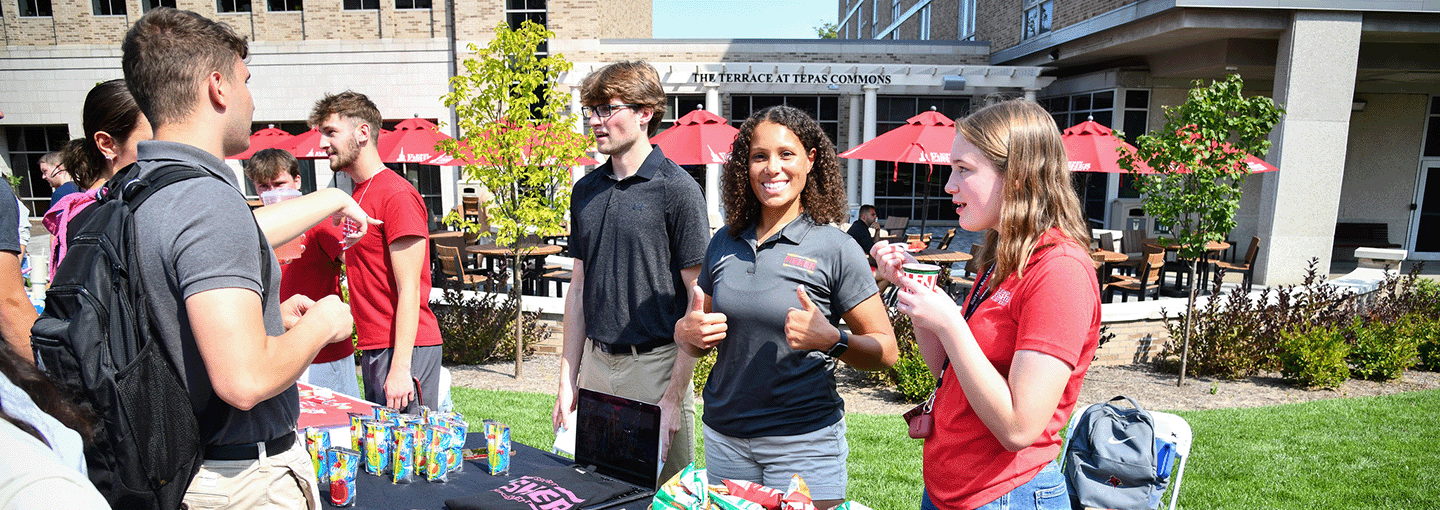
x=945, y=241
x=1247, y=267
x=453, y=271
x=1169, y=427
x=961, y=284
x=1132, y=244
x=1107, y=241
x=1147, y=279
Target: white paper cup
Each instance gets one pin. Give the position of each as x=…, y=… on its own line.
x=924, y=274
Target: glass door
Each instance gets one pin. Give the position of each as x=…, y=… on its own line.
x=1425, y=232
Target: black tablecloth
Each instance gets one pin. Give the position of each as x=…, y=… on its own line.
x=377, y=492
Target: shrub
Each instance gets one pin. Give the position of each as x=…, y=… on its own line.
x=1315, y=358
x=1429, y=348
x=910, y=375
x=478, y=328
x=1383, y=350
x=702, y=370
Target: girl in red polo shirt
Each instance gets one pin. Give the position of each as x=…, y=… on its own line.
x=1011, y=355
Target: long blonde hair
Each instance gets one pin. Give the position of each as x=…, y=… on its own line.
x=1020, y=138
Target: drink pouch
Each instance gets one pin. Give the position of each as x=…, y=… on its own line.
x=357, y=431
x=317, y=441
x=455, y=457
x=403, y=455
x=344, y=466
x=385, y=413
x=497, y=447
x=437, y=440
x=377, y=447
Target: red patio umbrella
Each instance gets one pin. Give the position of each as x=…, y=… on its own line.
x=697, y=138
x=924, y=138
x=412, y=141
x=305, y=145
x=1092, y=147
x=263, y=139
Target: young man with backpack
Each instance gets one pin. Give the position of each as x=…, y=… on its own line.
x=211, y=280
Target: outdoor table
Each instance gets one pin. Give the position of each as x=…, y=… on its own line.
x=1104, y=264
x=942, y=258
x=1169, y=245
x=534, y=253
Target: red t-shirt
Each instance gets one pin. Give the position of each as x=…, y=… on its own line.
x=387, y=197
x=316, y=274
x=1054, y=309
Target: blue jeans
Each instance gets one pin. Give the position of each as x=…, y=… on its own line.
x=1044, y=492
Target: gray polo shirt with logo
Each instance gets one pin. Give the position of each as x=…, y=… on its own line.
x=760, y=386
x=198, y=235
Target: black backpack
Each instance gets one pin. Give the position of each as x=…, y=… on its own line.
x=1115, y=460
x=95, y=337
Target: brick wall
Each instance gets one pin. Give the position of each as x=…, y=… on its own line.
x=998, y=21
x=1134, y=342
x=720, y=53
x=1071, y=12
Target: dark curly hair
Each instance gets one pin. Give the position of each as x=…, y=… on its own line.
x=824, y=195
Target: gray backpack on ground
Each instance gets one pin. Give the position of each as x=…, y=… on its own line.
x=1114, y=460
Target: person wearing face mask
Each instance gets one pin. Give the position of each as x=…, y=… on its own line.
x=776, y=281
x=113, y=128
x=1010, y=357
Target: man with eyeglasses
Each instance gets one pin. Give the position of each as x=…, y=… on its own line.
x=53, y=171
x=638, y=235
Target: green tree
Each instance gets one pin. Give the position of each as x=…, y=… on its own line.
x=1199, y=160
x=828, y=31
x=516, y=132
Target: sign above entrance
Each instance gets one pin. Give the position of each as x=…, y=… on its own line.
x=796, y=78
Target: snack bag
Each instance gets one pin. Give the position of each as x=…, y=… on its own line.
x=797, y=497
x=377, y=447
x=764, y=496
x=497, y=447
x=344, y=466
x=402, y=455
x=685, y=491
x=437, y=440
x=852, y=505
x=357, y=431
x=728, y=502
x=317, y=441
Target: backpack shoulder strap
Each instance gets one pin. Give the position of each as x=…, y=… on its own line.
x=136, y=190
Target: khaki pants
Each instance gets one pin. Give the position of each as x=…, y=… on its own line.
x=278, y=480
x=644, y=378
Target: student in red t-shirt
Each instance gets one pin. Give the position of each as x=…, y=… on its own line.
x=314, y=274
x=1011, y=356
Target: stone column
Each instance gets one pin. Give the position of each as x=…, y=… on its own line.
x=1314, y=82
x=1030, y=94
x=867, y=167
x=852, y=166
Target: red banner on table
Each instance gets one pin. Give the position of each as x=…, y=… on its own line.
x=321, y=407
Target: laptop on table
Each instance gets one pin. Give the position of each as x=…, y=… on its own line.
x=619, y=439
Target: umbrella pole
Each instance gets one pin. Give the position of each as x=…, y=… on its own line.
x=925, y=204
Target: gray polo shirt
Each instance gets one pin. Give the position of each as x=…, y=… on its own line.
x=634, y=236
x=9, y=221
x=760, y=386
x=198, y=235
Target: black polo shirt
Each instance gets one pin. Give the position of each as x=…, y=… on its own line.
x=634, y=236
x=760, y=386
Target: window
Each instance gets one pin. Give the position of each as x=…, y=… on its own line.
x=146, y=5
x=285, y=5
x=108, y=7
x=232, y=6
x=27, y=144
x=33, y=8
x=1134, y=121
x=1037, y=17
x=824, y=109
x=900, y=188
x=518, y=11
x=1432, y=131
x=1071, y=110
x=874, y=14
x=924, y=23
x=412, y=4
x=894, y=11
x=362, y=5
x=967, y=20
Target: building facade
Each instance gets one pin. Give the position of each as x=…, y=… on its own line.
x=1360, y=140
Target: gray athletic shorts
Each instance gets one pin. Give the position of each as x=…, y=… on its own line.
x=424, y=365
x=818, y=457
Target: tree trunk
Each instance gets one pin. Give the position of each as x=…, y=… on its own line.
x=519, y=311
x=1189, y=320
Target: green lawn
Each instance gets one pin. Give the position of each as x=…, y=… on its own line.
x=1331, y=454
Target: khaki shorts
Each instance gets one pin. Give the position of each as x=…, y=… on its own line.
x=284, y=480
x=643, y=377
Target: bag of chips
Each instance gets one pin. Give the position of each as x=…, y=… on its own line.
x=765, y=496
x=797, y=497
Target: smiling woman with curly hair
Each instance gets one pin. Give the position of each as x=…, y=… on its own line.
x=786, y=276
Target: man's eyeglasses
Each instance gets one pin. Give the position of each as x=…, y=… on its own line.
x=605, y=110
